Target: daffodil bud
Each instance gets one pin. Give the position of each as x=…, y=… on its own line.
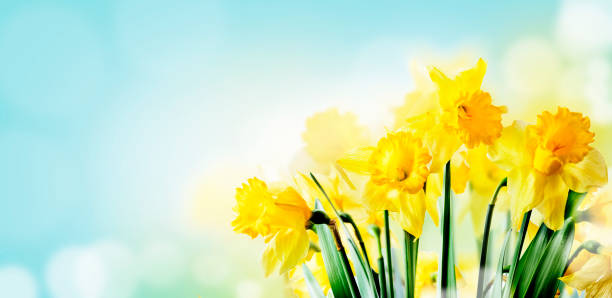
x=374, y=230
x=592, y=246
x=346, y=217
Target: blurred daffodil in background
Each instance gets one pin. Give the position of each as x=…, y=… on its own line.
x=592, y=274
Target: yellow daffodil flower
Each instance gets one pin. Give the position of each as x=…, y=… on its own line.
x=546, y=160
x=457, y=112
x=594, y=275
x=398, y=162
x=598, y=207
x=467, y=109
x=279, y=215
x=595, y=216
x=397, y=168
x=423, y=99
x=463, y=115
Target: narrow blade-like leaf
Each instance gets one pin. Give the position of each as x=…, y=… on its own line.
x=314, y=289
x=447, y=263
x=362, y=277
x=552, y=263
x=498, y=281
x=528, y=264
x=334, y=265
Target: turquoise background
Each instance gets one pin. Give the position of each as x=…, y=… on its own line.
x=112, y=112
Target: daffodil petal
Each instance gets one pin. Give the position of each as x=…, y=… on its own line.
x=437, y=76
x=433, y=191
x=294, y=246
x=601, y=288
x=444, y=145
x=412, y=213
x=524, y=187
x=592, y=271
x=587, y=174
x=357, y=160
x=507, y=150
x=470, y=80
x=379, y=198
x=459, y=172
x=552, y=207
x=268, y=259
x=288, y=249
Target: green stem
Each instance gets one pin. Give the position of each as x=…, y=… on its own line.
x=447, y=272
x=382, y=281
x=485, y=239
x=388, y=248
x=348, y=218
x=591, y=246
x=411, y=250
x=519, y=246
x=573, y=257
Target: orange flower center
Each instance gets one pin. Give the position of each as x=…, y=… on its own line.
x=478, y=120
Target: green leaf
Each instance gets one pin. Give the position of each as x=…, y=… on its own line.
x=497, y=283
x=366, y=289
x=314, y=289
x=517, y=251
x=573, y=202
x=334, y=265
x=388, y=258
x=448, y=287
x=552, y=263
x=367, y=285
x=485, y=240
x=528, y=264
x=382, y=281
x=355, y=288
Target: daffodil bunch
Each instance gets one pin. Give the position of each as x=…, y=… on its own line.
x=330, y=233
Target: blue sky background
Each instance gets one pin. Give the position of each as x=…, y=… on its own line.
x=114, y=113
